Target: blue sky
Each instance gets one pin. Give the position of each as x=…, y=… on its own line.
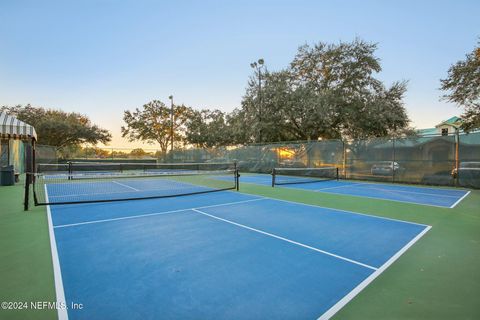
x=102, y=57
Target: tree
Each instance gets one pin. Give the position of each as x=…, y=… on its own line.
x=119, y=154
x=208, y=128
x=328, y=92
x=138, y=152
x=152, y=124
x=94, y=152
x=354, y=104
x=266, y=122
x=237, y=127
x=463, y=87
x=59, y=128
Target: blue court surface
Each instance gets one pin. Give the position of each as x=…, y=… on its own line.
x=430, y=196
x=223, y=255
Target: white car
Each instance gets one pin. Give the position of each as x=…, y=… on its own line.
x=386, y=168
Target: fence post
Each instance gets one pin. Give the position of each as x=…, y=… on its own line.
x=273, y=177
x=30, y=151
x=308, y=149
x=393, y=159
x=344, y=156
x=457, y=160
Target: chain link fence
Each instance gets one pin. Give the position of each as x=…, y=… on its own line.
x=445, y=160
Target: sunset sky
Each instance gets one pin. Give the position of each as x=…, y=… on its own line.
x=103, y=57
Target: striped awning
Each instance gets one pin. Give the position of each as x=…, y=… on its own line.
x=12, y=128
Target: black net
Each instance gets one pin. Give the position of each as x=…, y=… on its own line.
x=282, y=176
x=45, y=154
x=78, y=169
x=53, y=168
x=103, y=183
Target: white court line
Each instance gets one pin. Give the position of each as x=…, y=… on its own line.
x=458, y=201
x=155, y=213
x=347, y=211
x=402, y=184
x=341, y=303
x=414, y=192
x=57, y=273
x=287, y=240
x=127, y=186
x=376, y=198
x=344, y=186
x=394, y=200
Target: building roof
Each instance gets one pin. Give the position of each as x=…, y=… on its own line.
x=427, y=131
x=12, y=128
x=453, y=121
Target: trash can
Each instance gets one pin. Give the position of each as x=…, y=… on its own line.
x=7, y=176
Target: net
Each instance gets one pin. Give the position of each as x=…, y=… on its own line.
x=78, y=170
x=46, y=154
x=282, y=176
x=81, y=183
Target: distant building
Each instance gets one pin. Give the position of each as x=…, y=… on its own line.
x=444, y=128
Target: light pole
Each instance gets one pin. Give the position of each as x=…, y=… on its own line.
x=171, y=124
x=258, y=65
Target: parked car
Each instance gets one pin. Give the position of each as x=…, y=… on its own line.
x=471, y=166
x=217, y=160
x=439, y=178
x=386, y=168
x=468, y=174
x=291, y=164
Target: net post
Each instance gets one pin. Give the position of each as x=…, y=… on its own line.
x=344, y=160
x=237, y=179
x=457, y=160
x=336, y=172
x=273, y=177
x=27, y=192
x=393, y=158
x=29, y=164
x=70, y=170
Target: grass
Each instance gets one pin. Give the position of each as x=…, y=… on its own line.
x=438, y=278
x=26, y=273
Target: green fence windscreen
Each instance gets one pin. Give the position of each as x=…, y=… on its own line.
x=451, y=160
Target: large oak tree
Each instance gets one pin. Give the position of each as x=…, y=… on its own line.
x=328, y=91
x=463, y=87
x=152, y=124
x=59, y=128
